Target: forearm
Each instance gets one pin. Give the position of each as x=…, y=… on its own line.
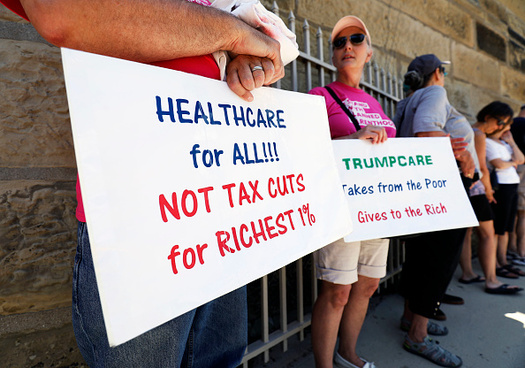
x=517, y=155
x=501, y=165
x=145, y=30
x=485, y=179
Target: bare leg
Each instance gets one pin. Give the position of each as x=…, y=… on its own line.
x=503, y=241
x=487, y=253
x=354, y=316
x=418, y=328
x=520, y=232
x=465, y=260
x=326, y=318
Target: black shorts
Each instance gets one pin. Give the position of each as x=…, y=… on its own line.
x=505, y=208
x=481, y=206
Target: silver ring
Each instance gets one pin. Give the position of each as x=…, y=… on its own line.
x=257, y=67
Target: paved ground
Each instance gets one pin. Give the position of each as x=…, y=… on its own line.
x=488, y=331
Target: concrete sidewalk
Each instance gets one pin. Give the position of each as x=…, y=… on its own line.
x=488, y=331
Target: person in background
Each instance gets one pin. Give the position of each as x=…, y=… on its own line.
x=431, y=258
x=490, y=119
x=503, y=156
x=350, y=272
x=174, y=34
x=516, y=251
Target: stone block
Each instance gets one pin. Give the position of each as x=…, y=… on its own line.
x=34, y=117
x=323, y=12
x=37, y=244
x=513, y=85
x=442, y=15
x=475, y=67
x=469, y=99
x=418, y=39
x=515, y=7
x=43, y=339
x=495, y=9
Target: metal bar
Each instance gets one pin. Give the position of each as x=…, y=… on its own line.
x=320, y=56
x=306, y=34
x=283, y=305
x=275, y=10
x=275, y=338
x=300, y=296
x=295, y=80
x=264, y=318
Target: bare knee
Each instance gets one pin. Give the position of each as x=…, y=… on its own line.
x=366, y=286
x=335, y=294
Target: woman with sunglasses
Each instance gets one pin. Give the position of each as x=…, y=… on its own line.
x=431, y=258
x=503, y=156
x=350, y=272
x=490, y=119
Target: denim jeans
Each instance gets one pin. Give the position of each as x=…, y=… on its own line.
x=212, y=335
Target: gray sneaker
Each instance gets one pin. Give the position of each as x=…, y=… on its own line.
x=431, y=350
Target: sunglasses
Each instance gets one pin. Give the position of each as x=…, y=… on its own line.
x=442, y=70
x=501, y=122
x=355, y=39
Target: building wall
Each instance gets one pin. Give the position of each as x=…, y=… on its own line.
x=484, y=40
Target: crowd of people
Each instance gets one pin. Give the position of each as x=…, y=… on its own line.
x=350, y=272
x=488, y=153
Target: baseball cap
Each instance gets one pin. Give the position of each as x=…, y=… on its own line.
x=349, y=21
x=426, y=64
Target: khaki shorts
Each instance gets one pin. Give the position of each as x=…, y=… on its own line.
x=341, y=262
x=521, y=188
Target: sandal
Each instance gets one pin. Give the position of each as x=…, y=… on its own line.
x=431, y=350
x=514, y=270
x=473, y=280
x=503, y=272
x=504, y=289
x=432, y=327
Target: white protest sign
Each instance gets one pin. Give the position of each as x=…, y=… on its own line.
x=191, y=192
x=402, y=186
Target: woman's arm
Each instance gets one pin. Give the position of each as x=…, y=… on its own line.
x=517, y=156
x=480, y=144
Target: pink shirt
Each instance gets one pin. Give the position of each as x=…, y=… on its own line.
x=365, y=108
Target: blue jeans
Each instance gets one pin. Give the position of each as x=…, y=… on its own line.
x=212, y=335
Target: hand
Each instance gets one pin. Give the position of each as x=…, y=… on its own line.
x=466, y=163
x=242, y=79
x=507, y=137
x=374, y=133
x=253, y=42
x=490, y=196
x=458, y=145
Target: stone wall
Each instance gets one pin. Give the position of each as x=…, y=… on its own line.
x=37, y=202
x=484, y=39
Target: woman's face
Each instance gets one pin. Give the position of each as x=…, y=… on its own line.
x=499, y=132
x=494, y=124
x=352, y=56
